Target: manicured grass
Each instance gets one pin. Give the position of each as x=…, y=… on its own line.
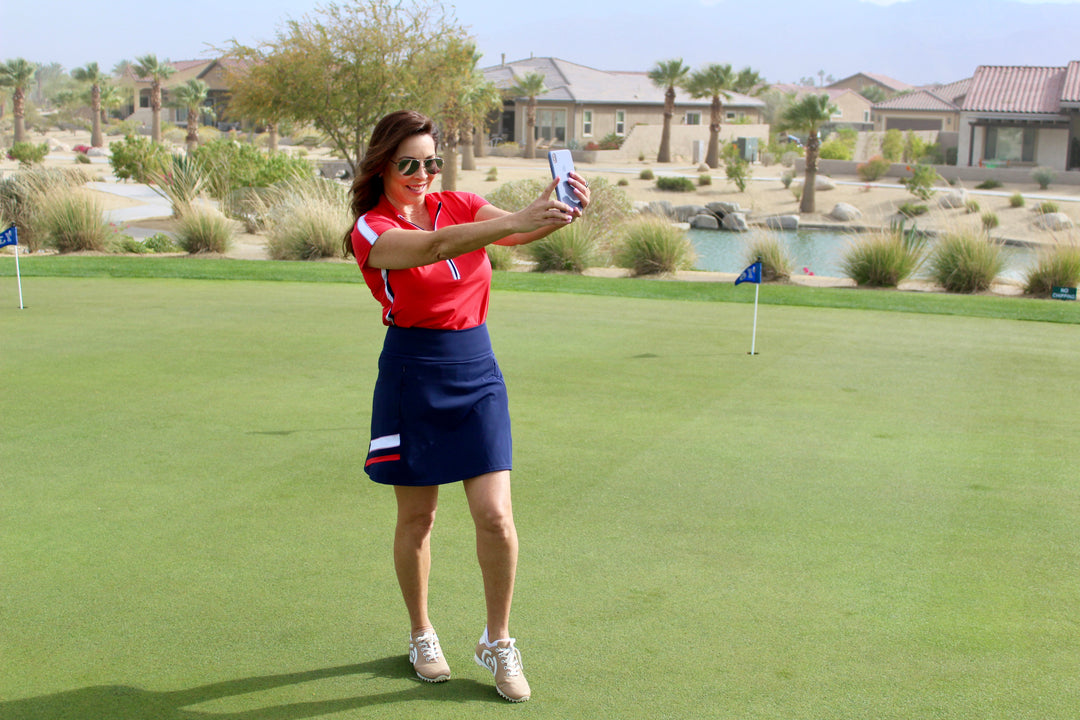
x=874, y=517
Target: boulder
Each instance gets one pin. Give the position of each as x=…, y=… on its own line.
x=736, y=222
x=705, y=221
x=98, y=152
x=661, y=208
x=953, y=199
x=57, y=146
x=723, y=208
x=782, y=222
x=821, y=182
x=845, y=212
x=683, y=213
x=1053, y=221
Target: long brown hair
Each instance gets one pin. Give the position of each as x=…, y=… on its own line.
x=367, y=187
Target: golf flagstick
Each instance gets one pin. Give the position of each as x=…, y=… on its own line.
x=752, y=274
x=11, y=237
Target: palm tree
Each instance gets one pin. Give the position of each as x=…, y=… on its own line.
x=148, y=66
x=530, y=86
x=91, y=74
x=18, y=74
x=713, y=82
x=111, y=99
x=667, y=75
x=191, y=96
x=749, y=82
x=806, y=116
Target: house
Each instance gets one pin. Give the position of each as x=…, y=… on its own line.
x=859, y=81
x=1022, y=116
x=583, y=105
x=854, y=111
x=212, y=72
x=931, y=108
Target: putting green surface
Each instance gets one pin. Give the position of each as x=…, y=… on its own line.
x=875, y=517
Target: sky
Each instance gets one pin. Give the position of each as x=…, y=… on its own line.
x=914, y=41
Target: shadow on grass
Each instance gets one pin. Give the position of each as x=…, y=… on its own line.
x=121, y=702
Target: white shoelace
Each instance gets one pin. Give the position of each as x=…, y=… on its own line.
x=428, y=644
x=511, y=660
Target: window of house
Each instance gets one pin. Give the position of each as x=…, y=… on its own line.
x=693, y=118
x=144, y=99
x=730, y=115
x=620, y=122
x=551, y=125
x=1014, y=144
x=586, y=123
x=866, y=116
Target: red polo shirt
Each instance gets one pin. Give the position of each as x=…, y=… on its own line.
x=446, y=295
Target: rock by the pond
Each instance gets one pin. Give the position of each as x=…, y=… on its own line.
x=723, y=208
x=953, y=199
x=1053, y=221
x=844, y=212
x=705, y=221
x=782, y=222
x=684, y=213
x=735, y=222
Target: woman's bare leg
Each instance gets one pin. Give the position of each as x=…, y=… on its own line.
x=496, y=546
x=412, y=549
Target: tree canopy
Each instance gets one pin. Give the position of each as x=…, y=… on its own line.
x=348, y=65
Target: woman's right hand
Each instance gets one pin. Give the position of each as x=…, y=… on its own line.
x=546, y=211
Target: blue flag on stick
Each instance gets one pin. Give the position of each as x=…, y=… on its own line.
x=751, y=274
x=9, y=237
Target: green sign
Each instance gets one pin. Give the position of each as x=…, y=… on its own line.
x=1063, y=293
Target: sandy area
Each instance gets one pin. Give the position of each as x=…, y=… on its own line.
x=765, y=196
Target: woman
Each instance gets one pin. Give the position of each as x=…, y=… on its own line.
x=440, y=413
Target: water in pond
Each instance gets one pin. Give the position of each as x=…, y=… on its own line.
x=818, y=251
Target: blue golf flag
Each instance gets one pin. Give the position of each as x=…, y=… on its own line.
x=9, y=237
x=751, y=274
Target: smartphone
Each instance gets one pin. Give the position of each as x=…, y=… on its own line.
x=562, y=164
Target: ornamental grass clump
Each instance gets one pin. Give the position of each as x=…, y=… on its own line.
x=966, y=261
x=180, y=181
x=24, y=194
x=653, y=246
x=204, y=229
x=885, y=258
x=501, y=257
x=570, y=249
x=776, y=261
x=304, y=218
x=1055, y=266
x=73, y=221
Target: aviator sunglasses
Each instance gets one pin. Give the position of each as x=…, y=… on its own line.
x=409, y=166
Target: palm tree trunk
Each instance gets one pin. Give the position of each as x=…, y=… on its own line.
x=272, y=137
x=712, y=156
x=806, y=202
x=18, y=109
x=664, y=155
x=155, y=110
x=468, y=157
x=192, y=138
x=96, y=139
x=530, y=129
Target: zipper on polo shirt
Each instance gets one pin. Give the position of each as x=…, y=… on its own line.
x=454, y=272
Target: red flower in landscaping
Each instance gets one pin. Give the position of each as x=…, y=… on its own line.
x=82, y=149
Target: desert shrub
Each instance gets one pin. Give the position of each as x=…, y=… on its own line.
x=1046, y=207
x=492, y=174
x=81, y=159
x=675, y=184
x=28, y=154
x=990, y=184
x=569, y=249
x=653, y=246
x=966, y=262
x=230, y=165
x=786, y=177
x=137, y=158
x=305, y=218
x=972, y=206
x=873, y=169
x=736, y=168
x=1043, y=176
x=990, y=221
x=73, y=221
x=516, y=195
x=180, y=181
x=1016, y=200
x=921, y=182
x=1055, y=266
x=892, y=145
x=704, y=179
x=913, y=210
x=885, y=258
x=161, y=243
x=914, y=147
x=776, y=261
x=623, y=182
x=835, y=149
x=646, y=174
x=205, y=230
x=501, y=257
x=23, y=195
x=611, y=141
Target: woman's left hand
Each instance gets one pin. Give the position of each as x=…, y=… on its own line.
x=581, y=189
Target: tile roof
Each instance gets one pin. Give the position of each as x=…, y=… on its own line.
x=1070, y=91
x=918, y=101
x=883, y=80
x=570, y=82
x=1015, y=89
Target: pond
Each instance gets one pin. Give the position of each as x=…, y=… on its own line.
x=813, y=250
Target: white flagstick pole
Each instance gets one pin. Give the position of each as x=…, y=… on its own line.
x=753, y=338
x=18, y=276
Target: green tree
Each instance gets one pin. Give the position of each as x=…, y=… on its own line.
x=191, y=96
x=469, y=98
x=93, y=76
x=806, y=116
x=346, y=67
x=111, y=98
x=530, y=86
x=148, y=66
x=18, y=74
x=874, y=93
x=713, y=81
x=668, y=75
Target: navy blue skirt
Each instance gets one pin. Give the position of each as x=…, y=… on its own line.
x=440, y=412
